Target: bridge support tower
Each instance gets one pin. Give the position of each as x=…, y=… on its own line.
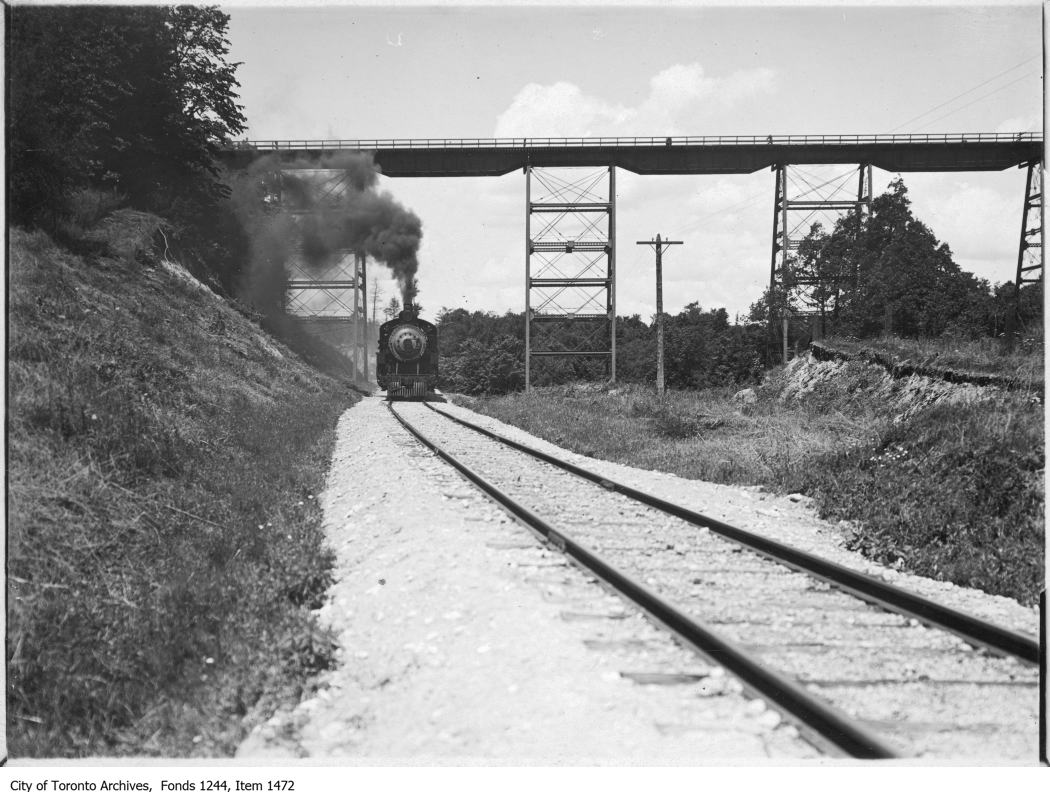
x=802, y=198
x=329, y=299
x=570, y=274
x=1030, y=249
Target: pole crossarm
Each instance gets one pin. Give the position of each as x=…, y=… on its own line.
x=963, y=151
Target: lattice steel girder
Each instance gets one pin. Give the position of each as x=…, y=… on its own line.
x=538, y=208
x=348, y=285
x=821, y=204
x=570, y=301
x=570, y=247
x=319, y=301
x=578, y=211
x=579, y=317
x=538, y=282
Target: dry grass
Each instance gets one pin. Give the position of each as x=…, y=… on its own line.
x=981, y=356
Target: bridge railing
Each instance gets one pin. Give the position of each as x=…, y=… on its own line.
x=672, y=140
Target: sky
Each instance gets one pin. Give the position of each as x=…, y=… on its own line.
x=398, y=71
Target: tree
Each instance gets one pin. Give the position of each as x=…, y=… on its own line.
x=827, y=264
x=477, y=367
x=635, y=350
x=889, y=273
x=136, y=100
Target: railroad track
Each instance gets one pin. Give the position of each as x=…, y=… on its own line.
x=869, y=682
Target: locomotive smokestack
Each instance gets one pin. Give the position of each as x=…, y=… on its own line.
x=409, y=290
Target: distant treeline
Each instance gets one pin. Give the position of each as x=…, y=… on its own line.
x=485, y=353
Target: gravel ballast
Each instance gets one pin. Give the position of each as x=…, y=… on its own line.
x=463, y=640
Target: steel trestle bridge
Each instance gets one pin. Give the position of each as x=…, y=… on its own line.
x=570, y=246
x=666, y=155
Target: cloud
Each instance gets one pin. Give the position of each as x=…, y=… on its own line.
x=681, y=88
x=980, y=224
x=678, y=98
x=1027, y=123
x=562, y=110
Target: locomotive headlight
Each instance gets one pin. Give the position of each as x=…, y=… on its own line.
x=407, y=343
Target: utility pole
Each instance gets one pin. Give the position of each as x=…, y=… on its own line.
x=658, y=244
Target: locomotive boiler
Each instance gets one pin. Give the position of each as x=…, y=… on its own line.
x=407, y=359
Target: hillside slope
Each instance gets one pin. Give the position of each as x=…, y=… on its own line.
x=164, y=542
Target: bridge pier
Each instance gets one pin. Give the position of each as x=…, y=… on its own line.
x=329, y=299
x=1030, y=249
x=793, y=292
x=570, y=273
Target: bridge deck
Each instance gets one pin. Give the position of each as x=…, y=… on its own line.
x=661, y=155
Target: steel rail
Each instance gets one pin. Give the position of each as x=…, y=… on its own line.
x=790, y=697
x=970, y=628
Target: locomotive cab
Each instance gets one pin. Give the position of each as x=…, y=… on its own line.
x=406, y=361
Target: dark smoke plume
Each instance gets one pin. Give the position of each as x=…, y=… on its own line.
x=358, y=218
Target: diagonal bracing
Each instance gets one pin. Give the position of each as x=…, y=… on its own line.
x=802, y=199
x=570, y=308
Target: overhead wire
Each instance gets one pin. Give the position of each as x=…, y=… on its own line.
x=978, y=99
x=991, y=79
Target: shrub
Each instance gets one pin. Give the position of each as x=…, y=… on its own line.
x=478, y=368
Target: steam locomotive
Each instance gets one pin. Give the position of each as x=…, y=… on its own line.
x=407, y=360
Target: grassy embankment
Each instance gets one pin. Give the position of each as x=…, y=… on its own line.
x=951, y=491
x=165, y=544
x=974, y=359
